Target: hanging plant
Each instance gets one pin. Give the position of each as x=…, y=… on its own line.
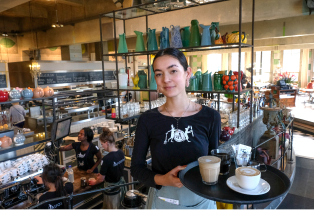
x=53, y=48
x=7, y=43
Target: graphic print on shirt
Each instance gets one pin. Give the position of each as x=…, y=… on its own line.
x=116, y=164
x=178, y=135
x=80, y=155
x=55, y=206
x=81, y=163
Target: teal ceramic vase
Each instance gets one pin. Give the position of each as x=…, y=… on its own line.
x=195, y=38
x=185, y=36
x=142, y=83
x=153, y=84
x=139, y=42
x=164, y=38
x=152, y=41
x=206, y=38
x=122, y=48
x=207, y=81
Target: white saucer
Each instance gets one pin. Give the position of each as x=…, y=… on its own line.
x=262, y=188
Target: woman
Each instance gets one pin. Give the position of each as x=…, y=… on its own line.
x=85, y=151
x=52, y=179
x=178, y=133
x=17, y=115
x=112, y=164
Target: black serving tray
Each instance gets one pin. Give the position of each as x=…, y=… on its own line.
x=191, y=179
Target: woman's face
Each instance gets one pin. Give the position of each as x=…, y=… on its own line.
x=104, y=145
x=170, y=76
x=81, y=136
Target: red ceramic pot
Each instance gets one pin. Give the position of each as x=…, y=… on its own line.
x=4, y=96
x=230, y=130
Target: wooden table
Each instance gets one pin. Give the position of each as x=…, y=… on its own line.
x=77, y=180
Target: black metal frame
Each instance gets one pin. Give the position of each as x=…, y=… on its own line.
x=239, y=45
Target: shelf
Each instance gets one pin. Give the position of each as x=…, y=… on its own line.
x=186, y=49
x=31, y=140
x=222, y=91
x=157, y=7
x=124, y=119
x=131, y=89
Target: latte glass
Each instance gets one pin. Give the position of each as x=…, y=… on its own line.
x=209, y=168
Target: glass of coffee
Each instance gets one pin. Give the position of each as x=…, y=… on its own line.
x=225, y=157
x=209, y=168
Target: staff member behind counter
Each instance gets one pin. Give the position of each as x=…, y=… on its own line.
x=112, y=164
x=85, y=151
x=52, y=179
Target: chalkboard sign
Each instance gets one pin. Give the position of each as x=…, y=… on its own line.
x=72, y=77
x=3, y=81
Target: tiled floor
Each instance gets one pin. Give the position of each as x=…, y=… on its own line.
x=301, y=194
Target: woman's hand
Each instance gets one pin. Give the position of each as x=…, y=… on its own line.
x=170, y=178
x=89, y=171
x=40, y=180
x=92, y=182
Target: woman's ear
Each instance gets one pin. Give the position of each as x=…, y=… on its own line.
x=189, y=72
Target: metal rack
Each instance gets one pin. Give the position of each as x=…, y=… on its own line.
x=158, y=7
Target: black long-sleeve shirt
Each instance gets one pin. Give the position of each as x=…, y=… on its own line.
x=198, y=134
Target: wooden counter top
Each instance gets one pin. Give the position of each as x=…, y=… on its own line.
x=77, y=180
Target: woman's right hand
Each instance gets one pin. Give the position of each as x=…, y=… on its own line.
x=40, y=180
x=170, y=178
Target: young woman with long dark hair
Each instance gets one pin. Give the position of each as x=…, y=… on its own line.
x=178, y=133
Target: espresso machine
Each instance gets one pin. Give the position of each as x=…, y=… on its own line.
x=21, y=193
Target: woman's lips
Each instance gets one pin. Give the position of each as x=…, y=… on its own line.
x=168, y=87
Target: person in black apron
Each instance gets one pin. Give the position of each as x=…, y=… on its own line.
x=112, y=164
x=52, y=179
x=85, y=151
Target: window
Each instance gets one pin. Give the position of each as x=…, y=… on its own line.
x=235, y=59
x=214, y=62
x=262, y=66
x=291, y=62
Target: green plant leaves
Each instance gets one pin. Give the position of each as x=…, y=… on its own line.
x=7, y=43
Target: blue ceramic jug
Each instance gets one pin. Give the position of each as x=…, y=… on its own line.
x=27, y=93
x=152, y=41
x=164, y=38
x=206, y=38
x=175, y=37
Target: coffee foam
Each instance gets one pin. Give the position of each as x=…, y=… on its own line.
x=209, y=159
x=248, y=171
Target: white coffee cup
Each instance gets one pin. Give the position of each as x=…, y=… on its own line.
x=248, y=178
x=7, y=164
x=5, y=178
x=2, y=166
x=13, y=172
x=33, y=166
x=20, y=169
x=45, y=160
x=111, y=124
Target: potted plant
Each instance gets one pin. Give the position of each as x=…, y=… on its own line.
x=288, y=78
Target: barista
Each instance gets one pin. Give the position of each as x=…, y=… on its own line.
x=112, y=164
x=85, y=151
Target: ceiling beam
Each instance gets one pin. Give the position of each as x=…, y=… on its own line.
x=68, y=2
x=8, y=4
x=23, y=11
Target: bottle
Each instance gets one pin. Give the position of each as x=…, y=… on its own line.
x=113, y=112
x=70, y=174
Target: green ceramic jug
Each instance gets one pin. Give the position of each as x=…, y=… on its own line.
x=142, y=83
x=207, y=81
x=185, y=36
x=152, y=41
x=122, y=48
x=195, y=38
x=153, y=84
x=218, y=81
x=198, y=75
x=139, y=42
x=193, y=84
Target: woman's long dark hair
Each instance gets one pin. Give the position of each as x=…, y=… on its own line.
x=177, y=54
x=53, y=174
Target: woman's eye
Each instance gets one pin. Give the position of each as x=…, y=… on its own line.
x=158, y=75
x=173, y=71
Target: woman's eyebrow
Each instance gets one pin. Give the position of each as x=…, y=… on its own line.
x=173, y=65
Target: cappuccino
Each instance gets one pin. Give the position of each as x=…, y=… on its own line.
x=248, y=178
x=209, y=168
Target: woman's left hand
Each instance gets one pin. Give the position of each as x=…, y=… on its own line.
x=89, y=171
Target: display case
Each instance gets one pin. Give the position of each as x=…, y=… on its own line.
x=157, y=8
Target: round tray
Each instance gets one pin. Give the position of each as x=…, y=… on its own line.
x=191, y=179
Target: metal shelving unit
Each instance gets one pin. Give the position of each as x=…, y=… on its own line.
x=159, y=7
